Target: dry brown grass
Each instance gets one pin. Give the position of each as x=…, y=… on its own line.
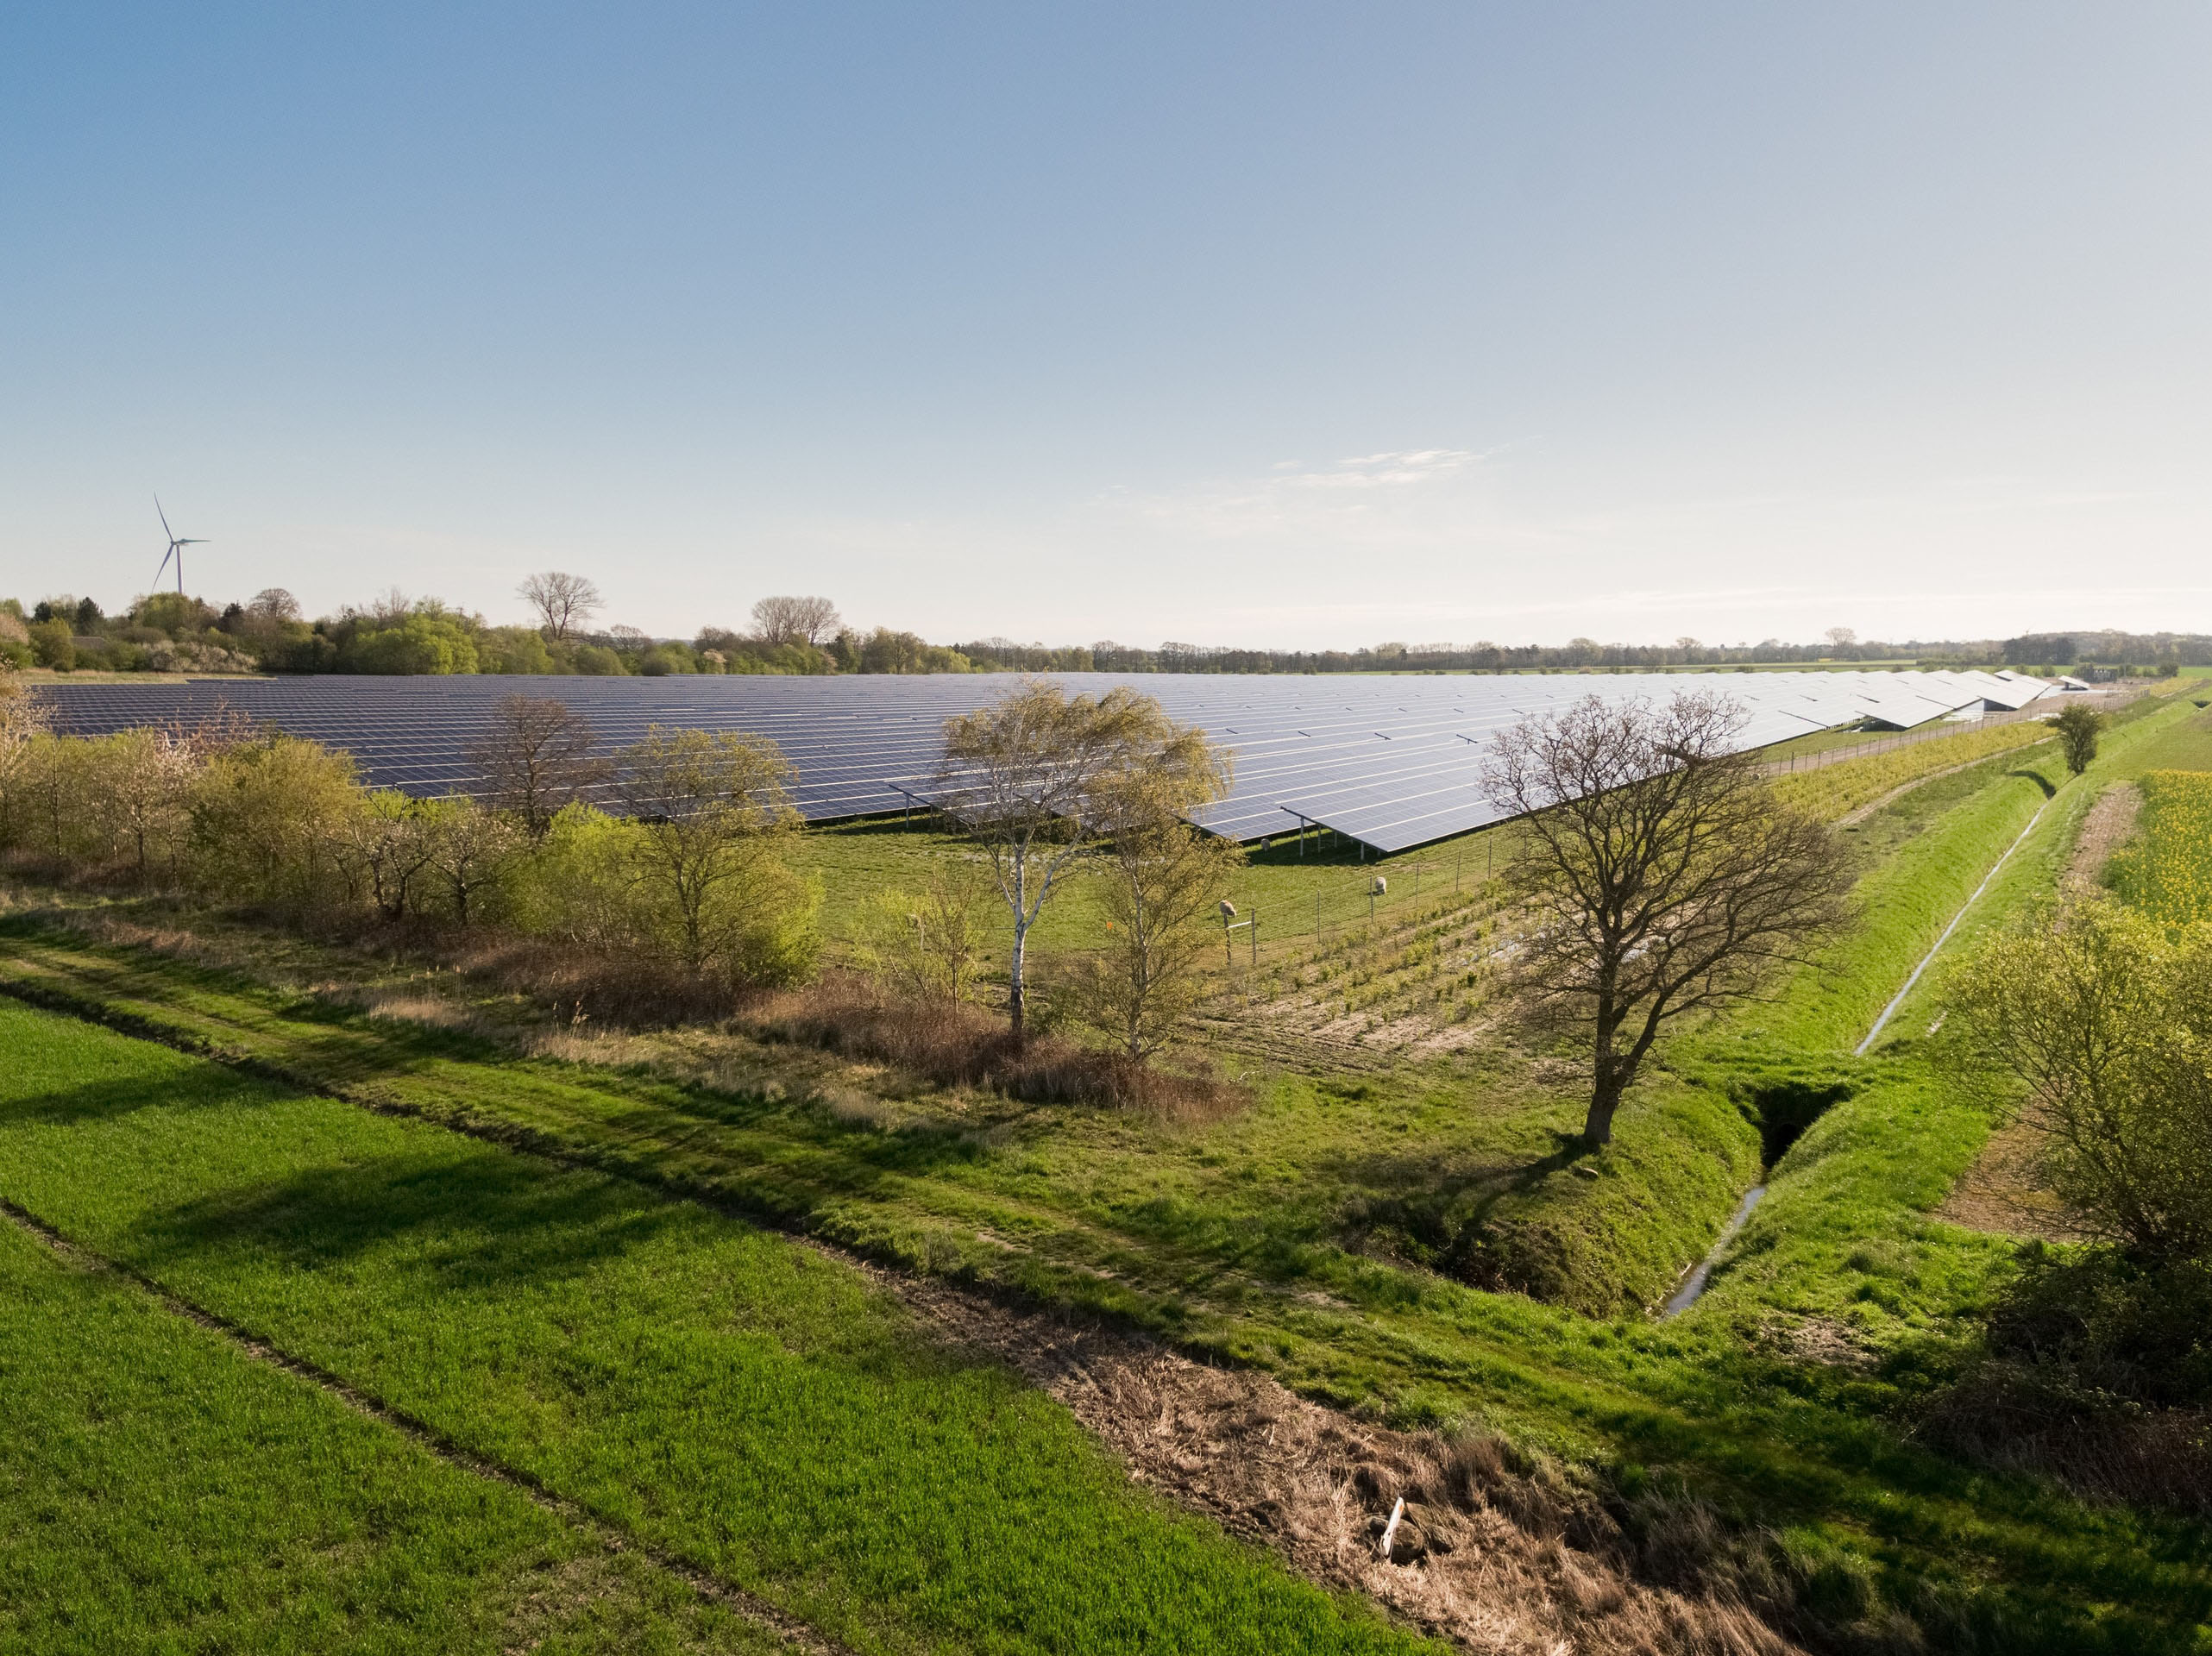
x=950, y=1043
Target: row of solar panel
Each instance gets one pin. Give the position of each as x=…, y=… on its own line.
x=1391, y=761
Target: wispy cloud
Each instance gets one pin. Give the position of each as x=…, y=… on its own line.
x=1360, y=493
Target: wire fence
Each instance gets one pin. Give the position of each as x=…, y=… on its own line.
x=2103, y=700
x=1363, y=897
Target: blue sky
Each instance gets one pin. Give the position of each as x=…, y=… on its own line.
x=1272, y=324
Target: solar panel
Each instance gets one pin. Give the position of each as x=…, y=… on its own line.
x=1392, y=762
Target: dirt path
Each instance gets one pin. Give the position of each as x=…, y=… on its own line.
x=2003, y=1192
x=2109, y=824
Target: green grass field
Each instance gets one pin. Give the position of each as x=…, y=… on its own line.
x=1289, y=1237
x=161, y=1493
x=707, y=1388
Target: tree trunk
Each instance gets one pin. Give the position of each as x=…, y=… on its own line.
x=1605, y=1086
x=1020, y=956
x=1604, y=1099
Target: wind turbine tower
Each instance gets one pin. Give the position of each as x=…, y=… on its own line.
x=177, y=545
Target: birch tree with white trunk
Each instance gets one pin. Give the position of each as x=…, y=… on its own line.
x=1031, y=779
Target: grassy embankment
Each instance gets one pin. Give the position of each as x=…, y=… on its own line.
x=1217, y=1235
x=1844, y=1231
x=721, y=1393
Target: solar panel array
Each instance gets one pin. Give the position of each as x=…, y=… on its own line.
x=1391, y=761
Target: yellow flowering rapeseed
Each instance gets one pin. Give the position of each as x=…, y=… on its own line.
x=2165, y=870
x=1838, y=790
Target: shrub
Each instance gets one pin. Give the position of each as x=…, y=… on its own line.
x=50, y=645
x=928, y=944
x=2104, y=1026
x=420, y=643
x=2095, y=1369
x=267, y=820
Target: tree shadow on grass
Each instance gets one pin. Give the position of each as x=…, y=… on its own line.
x=474, y=1221
x=1414, y=1207
x=2049, y=787
x=191, y=1087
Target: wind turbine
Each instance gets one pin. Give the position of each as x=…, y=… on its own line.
x=177, y=545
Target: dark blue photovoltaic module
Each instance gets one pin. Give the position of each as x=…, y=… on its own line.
x=1392, y=762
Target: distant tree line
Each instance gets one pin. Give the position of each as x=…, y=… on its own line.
x=397, y=634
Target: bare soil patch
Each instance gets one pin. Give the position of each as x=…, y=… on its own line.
x=1821, y=1341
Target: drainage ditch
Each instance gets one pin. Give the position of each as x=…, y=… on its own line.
x=1781, y=1107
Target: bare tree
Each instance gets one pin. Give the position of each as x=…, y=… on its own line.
x=795, y=620
x=565, y=604
x=1659, y=873
x=1031, y=777
x=388, y=609
x=537, y=757
x=1842, y=637
x=273, y=604
x=1164, y=881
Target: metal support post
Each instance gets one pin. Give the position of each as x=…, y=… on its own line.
x=1230, y=926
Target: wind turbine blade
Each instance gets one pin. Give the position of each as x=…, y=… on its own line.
x=164, y=516
x=164, y=569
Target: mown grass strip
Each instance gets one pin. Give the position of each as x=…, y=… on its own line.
x=722, y=1394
